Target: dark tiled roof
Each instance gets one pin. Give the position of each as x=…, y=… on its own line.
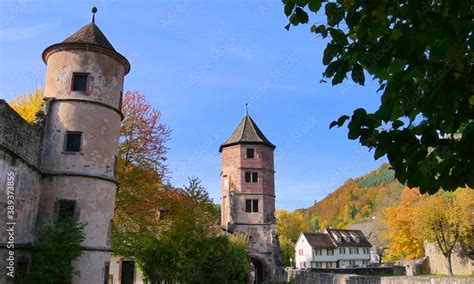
x=319, y=240
x=247, y=132
x=90, y=34
x=348, y=238
x=89, y=37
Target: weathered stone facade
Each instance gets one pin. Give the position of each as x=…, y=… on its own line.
x=47, y=172
x=238, y=192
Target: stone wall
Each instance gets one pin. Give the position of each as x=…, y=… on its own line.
x=18, y=136
x=313, y=277
x=437, y=262
x=20, y=182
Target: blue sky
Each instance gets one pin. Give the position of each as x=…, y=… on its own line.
x=198, y=62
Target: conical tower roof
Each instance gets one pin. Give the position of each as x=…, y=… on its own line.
x=90, y=38
x=90, y=34
x=247, y=132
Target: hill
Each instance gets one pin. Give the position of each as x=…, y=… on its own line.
x=358, y=200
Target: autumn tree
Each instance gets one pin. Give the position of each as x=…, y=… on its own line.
x=141, y=169
x=27, y=105
x=188, y=247
x=419, y=54
x=405, y=242
x=445, y=219
x=142, y=136
x=289, y=227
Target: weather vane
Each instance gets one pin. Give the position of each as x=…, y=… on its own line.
x=94, y=10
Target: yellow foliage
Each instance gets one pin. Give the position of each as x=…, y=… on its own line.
x=405, y=242
x=27, y=105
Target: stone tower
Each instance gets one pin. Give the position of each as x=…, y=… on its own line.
x=248, y=194
x=83, y=91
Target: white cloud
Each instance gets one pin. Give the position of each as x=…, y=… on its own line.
x=23, y=33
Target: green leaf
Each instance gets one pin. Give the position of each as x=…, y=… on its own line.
x=329, y=53
x=379, y=152
x=294, y=20
x=339, y=122
x=314, y=5
x=340, y=73
x=321, y=29
x=339, y=37
x=301, y=15
x=358, y=74
x=289, y=8
x=334, y=14
x=287, y=27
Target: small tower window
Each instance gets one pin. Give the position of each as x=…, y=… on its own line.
x=73, y=141
x=66, y=209
x=79, y=82
x=250, y=153
x=251, y=205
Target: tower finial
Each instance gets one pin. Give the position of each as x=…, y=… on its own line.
x=94, y=10
x=246, y=108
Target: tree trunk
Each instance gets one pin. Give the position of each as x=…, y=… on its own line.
x=449, y=264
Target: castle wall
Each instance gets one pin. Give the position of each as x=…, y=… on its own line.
x=99, y=140
x=19, y=182
x=105, y=76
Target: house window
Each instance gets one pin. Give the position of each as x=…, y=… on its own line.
x=66, y=209
x=319, y=264
x=329, y=264
x=351, y=251
x=301, y=252
x=342, y=250
x=318, y=252
x=348, y=239
x=330, y=251
x=73, y=141
x=251, y=177
x=357, y=239
x=352, y=262
x=79, y=82
x=357, y=250
x=251, y=205
x=250, y=153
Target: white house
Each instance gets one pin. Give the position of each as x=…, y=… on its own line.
x=332, y=249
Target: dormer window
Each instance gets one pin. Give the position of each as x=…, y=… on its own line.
x=348, y=239
x=357, y=239
x=79, y=82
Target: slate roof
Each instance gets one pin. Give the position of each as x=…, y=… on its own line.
x=90, y=34
x=89, y=37
x=247, y=132
x=319, y=240
x=348, y=238
x=334, y=238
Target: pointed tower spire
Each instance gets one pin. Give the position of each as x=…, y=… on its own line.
x=246, y=108
x=94, y=10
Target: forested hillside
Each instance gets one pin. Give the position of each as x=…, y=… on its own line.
x=358, y=200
